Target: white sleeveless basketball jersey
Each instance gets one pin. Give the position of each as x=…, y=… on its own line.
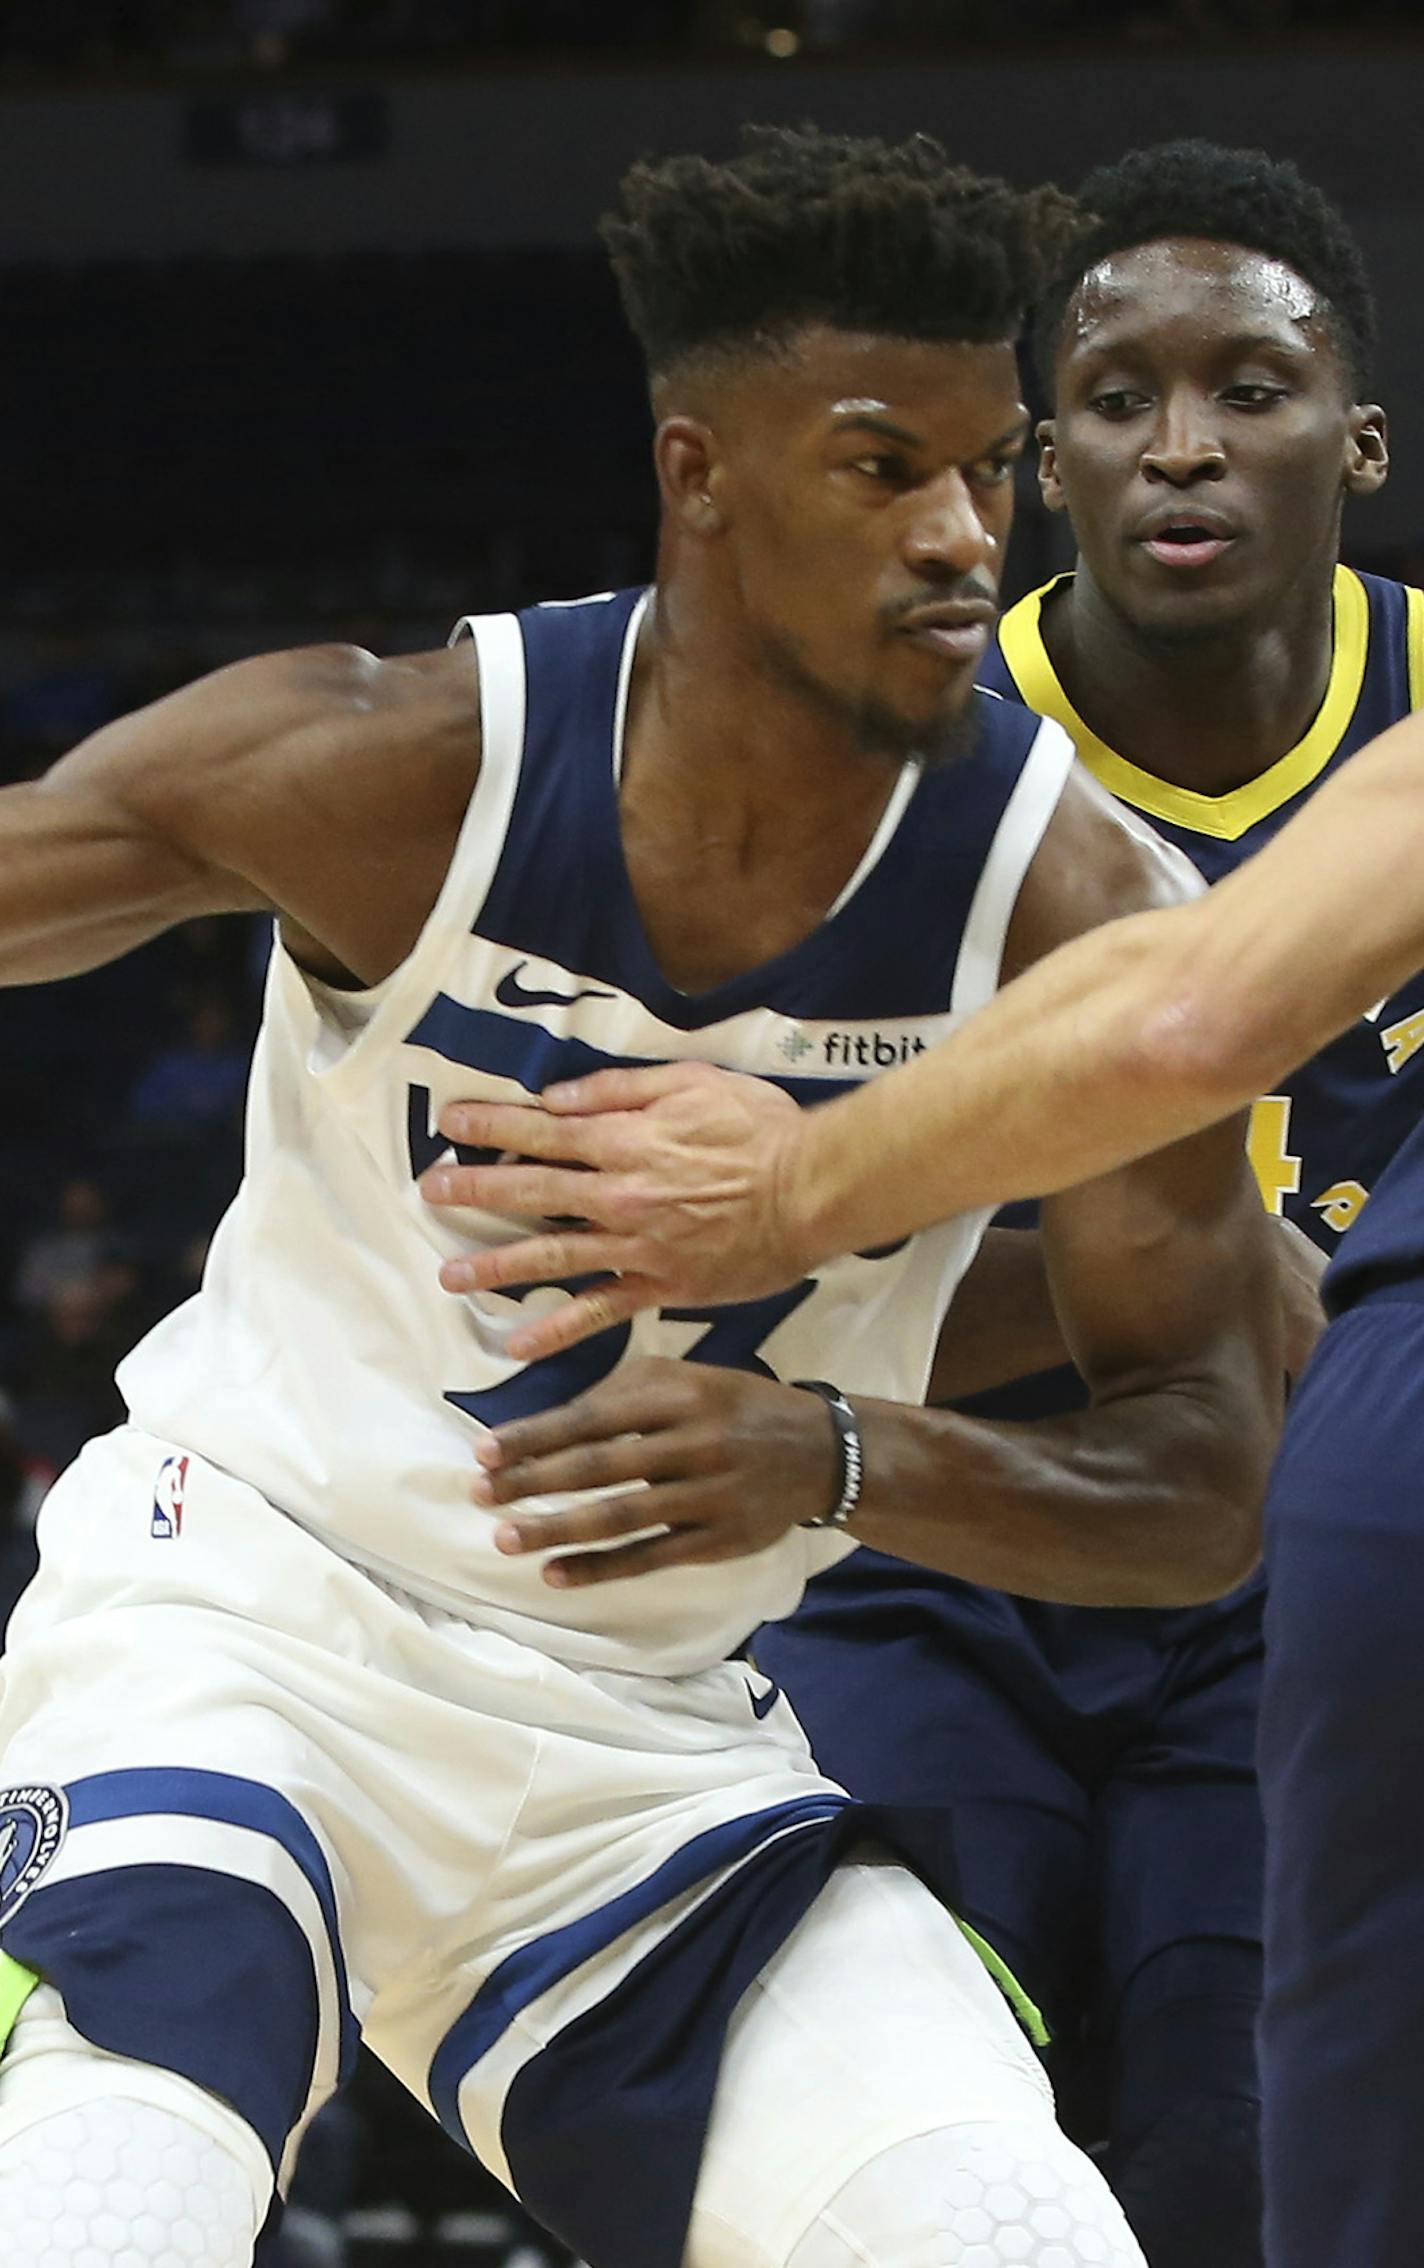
x=321, y=1361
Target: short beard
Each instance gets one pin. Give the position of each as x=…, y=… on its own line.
x=875, y=729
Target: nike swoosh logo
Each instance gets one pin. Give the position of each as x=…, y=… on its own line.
x=764, y=1703
x=510, y=993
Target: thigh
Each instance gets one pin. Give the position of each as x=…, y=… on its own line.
x=1179, y=1836
x=227, y=1811
x=934, y=1697
x=872, y=2027
x=1342, y=1762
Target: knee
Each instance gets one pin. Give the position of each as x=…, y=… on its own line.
x=988, y=2195
x=104, y=2160
x=118, y=2183
x=1191, y=2184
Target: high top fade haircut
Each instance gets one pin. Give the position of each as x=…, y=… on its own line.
x=1194, y=188
x=805, y=228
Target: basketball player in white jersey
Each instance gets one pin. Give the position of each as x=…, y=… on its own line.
x=293, y=1749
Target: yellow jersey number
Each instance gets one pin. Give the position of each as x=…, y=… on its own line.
x=1277, y=1168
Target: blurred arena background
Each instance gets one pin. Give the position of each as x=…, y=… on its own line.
x=306, y=335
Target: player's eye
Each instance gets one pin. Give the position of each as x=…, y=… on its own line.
x=1253, y=394
x=890, y=471
x=993, y=472
x=1117, y=401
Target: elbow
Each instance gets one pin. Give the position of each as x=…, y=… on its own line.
x=1211, y=1044
x=1224, y=1548
x=1215, y=1524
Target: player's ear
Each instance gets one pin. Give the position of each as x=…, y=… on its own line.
x=1367, y=451
x=689, y=474
x=1048, y=487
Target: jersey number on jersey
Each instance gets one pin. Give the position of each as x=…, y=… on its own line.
x=1278, y=1169
x=732, y=1337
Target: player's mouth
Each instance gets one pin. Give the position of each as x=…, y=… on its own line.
x=1186, y=540
x=958, y=630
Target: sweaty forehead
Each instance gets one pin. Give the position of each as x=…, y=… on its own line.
x=1220, y=289
x=823, y=366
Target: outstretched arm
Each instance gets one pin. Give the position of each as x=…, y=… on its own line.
x=712, y=1188
x=262, y=787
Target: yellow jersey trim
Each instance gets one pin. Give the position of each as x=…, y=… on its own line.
x=1230, y=816
x=1414, y=640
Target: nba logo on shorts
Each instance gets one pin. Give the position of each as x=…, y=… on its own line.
x=32, y=1825
x=167, y=1521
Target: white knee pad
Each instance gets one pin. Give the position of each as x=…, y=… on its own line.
x=988, y=2195
x=106, y=2163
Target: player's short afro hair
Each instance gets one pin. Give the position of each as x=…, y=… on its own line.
x=804, y=227
x=1194, y=188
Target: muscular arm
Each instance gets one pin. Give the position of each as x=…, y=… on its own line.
x=264, y=786
x=1002, y=1324
x=1163, y=1275
x=1147, y=1030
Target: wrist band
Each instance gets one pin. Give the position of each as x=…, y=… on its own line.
x=851, y=1447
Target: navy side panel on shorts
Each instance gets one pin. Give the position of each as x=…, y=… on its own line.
x=629, y=2086
x=188, y=1965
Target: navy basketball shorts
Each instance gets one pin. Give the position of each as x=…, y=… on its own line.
x=1342, y=1779
x=1093, y=1770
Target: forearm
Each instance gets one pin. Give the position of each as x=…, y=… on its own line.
x=1051, y=1084
x=1144, y=1501
x=1140, y=1032
x=77, y=889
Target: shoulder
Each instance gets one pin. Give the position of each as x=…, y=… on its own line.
x=344, y=685
x=1097, y=860
x=281, y=715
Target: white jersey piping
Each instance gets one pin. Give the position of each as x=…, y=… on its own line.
x=390, y=1006
x=1034, y=800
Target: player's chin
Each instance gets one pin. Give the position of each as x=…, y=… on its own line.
x=1190, y=609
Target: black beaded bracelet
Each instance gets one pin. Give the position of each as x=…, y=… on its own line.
x=852, y=1450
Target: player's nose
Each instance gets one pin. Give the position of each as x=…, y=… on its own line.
x=946, y=534
x=1185, y=443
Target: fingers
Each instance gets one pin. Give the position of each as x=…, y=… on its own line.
x=583, y=1317
x=628, y=1402
x=549, y=1259
x=631, y=1456
x=620, y=1090
x=546, y=1191
x=527, y=1130
x=683, y=1547
x=578, y=1524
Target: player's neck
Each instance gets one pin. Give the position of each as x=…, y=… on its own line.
x=1207, y=714
x=742, y=815
x=749, y=750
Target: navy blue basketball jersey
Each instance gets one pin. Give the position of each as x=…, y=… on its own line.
x=1319, y=1146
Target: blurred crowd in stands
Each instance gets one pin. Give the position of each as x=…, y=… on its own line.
x=183, y=37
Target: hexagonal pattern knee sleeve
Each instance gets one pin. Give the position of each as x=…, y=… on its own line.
x=980, y=2196
x=122, y=2184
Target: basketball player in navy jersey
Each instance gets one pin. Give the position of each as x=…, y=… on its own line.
x=292, y=1746
x=1127, y=1039
x=1099, y=1767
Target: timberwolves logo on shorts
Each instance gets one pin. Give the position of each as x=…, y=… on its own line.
x=167, y=1520
x=32, y=1825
